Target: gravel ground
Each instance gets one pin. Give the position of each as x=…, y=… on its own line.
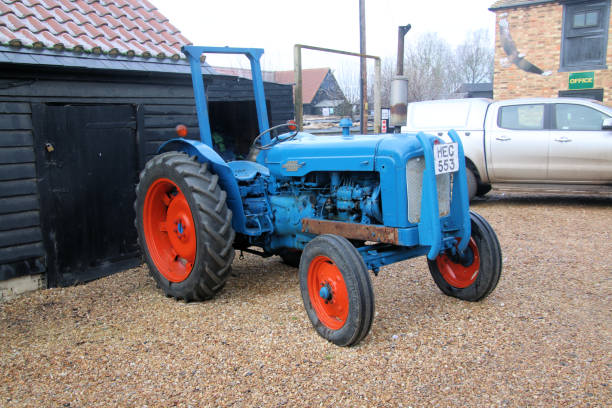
x=541, y=339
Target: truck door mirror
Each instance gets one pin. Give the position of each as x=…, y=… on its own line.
x=607, y=124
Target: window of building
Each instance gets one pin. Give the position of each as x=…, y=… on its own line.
x=595, y=93
x=522, y=117
x=585, y=35
x=577, y=117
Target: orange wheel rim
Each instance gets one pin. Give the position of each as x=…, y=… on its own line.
x=327, y=292
x=457, y=274
x=169, y=230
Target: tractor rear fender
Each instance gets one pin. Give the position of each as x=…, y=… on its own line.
x=218, y=166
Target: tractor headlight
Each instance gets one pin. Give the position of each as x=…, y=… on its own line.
x=414, y=188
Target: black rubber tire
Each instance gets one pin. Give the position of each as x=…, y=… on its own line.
x=472, y=183
x=483, y=189
x=490, y=264
x=358, y=284
x=291, y=257
x=211, y=216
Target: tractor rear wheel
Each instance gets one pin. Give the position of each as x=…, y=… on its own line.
x=336, y=290
x=184, y=226
x=475, y=275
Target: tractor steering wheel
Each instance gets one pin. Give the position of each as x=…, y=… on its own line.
x=276, y=140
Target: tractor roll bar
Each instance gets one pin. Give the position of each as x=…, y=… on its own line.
x=193, y=54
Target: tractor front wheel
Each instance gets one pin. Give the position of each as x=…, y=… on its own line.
x=336, y=290
x=184, y=226
x=474, y=275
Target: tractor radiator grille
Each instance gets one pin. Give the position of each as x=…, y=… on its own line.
x=414, y=187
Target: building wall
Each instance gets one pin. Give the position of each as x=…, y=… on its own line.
x=537, y=33
x=21, y=246
x=160, y=103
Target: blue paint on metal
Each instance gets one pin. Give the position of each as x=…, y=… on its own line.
x=359, y=179
x=346, y=124
x=460, y=205
x=429, y=226
x=247, y=170
x=193, y=54
x=325, y=293
x=227, y=181
x=307, y=153
x=180, y=227
x=376, y=256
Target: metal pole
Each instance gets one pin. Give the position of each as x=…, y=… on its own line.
x=377, y=110
x=299, y=110
x=363, y=69
x=297, y=93
x=401, y=33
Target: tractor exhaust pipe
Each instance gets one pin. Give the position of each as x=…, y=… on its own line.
x=399, y=85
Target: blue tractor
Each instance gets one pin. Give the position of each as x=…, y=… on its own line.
x=334, y=206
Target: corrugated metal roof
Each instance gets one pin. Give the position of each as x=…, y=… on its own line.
x=132, y=28
x=500, y=4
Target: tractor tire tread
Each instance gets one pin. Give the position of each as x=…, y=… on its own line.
x=490, y=264
x=212, y=217
x=359, y=285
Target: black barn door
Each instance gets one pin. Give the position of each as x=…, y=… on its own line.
x=91, y=164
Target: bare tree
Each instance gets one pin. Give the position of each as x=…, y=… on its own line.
x=475, y=58
x=348, y=79
x=433, y=68
x=430, y=67
x=387, y=72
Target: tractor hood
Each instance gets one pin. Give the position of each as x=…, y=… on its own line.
x=307, y=153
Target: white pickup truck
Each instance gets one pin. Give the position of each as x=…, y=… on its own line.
x=551, y=144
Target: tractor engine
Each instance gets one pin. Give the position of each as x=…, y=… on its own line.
x=279, y=206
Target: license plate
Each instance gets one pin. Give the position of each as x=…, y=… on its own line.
x=446, y=158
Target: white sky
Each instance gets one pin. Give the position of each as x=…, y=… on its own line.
x=277, y=25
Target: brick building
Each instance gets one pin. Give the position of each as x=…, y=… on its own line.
x=549, y=48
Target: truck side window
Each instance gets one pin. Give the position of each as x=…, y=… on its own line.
x=521, y=117
x=577, y=117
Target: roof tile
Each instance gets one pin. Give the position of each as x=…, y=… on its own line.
x=14, y=23
x=40, y=12
x=34, y=24
x=61, y=16
x=67, y=5
x=22, y=11
x=117, y=26
x=311, y=81
x=127, y=23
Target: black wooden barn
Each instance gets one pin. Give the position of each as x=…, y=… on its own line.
x=75, y=132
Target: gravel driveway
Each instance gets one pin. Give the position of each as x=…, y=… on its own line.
x=541, y=339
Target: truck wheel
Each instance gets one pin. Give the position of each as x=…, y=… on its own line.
x=290, y=256
x=476, y=275
x=184, y=226
x=483, y=189
x=472, y=183
x=336, y=290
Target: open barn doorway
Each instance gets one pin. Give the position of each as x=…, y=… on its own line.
x=234, y=126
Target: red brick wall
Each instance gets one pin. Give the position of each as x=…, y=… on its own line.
x=536, y=31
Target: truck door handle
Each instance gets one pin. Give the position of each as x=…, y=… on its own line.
x=563, y=139
x=502, y=138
